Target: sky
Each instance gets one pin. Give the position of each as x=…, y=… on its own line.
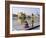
x=27, y=10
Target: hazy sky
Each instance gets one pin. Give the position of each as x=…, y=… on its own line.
x=26, y=10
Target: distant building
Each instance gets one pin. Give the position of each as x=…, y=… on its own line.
x=14, y=15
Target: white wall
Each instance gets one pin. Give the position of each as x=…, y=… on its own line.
x=28, y=0
x=2, y=17
x=2, y=20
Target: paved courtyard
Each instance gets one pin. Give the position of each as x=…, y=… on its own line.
x=17, y=26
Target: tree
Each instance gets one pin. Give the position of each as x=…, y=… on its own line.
x=32, y=20
x=28, y=17
x=22, y=17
